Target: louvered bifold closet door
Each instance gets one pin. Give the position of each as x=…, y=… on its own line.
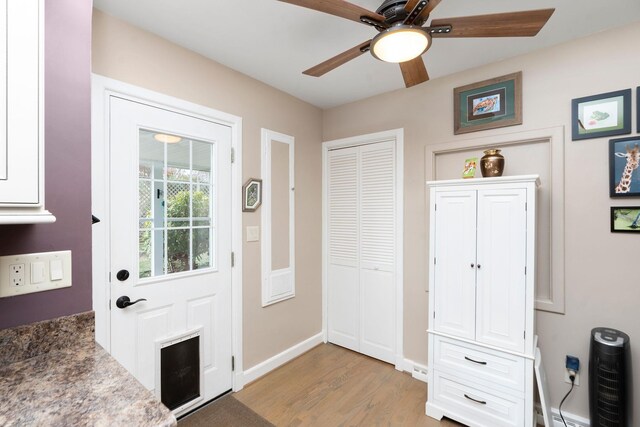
x=377, y=251
x=342, y=257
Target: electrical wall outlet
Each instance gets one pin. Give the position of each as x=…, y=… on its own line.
x=28, y=273
x=572, y=364
x=16, y=275
x=567, y=380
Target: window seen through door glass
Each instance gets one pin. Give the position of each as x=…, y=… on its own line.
x=176, y=195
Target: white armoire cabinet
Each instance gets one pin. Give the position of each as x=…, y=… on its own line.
x=481, y=300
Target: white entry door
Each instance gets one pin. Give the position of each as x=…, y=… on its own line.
x=170, y=238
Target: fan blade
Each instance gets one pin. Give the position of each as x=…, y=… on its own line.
x=414, y=72
x=513, y=24
x=424, y=14
x=337, y=60
x=339, y=8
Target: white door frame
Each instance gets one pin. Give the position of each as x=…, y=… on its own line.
x=101, y=89
x=396, y=135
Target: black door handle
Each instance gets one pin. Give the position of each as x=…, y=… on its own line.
x=122, y=275
x=124, y=301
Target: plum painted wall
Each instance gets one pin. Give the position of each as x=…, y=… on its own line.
x=67, y=168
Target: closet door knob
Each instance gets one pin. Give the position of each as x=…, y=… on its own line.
x=472, y=265
x=479, y=266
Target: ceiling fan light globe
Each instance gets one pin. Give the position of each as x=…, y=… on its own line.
x=400, y=44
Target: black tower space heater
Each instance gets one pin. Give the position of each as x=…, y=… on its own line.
x=609, y=378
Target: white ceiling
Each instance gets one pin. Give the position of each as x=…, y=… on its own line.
x=274, y=42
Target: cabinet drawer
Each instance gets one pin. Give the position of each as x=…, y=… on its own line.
x=467, y=359
x=482, y=406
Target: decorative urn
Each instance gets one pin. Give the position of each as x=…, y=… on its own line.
x=492, y=163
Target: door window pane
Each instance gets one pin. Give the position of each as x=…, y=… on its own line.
x=158, y=250
x=201, y=246
x=202, y=155
x=144, y=254
x=178, y=161
x=145, y=198
x=178, y=250
x=176, y=204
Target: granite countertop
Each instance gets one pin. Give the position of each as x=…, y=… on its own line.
x=78, y=385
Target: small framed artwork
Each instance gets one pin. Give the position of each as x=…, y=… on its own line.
x=251, y=195
x=601, y=115
x=624, y=175
x=625, y=219
x=470, y=166
x=489, y=104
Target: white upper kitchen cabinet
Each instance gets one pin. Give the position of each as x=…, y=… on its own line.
x=22, y=112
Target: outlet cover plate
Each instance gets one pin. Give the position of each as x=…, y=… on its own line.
x=9, y=288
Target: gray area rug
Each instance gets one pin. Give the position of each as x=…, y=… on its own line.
x=227, y=412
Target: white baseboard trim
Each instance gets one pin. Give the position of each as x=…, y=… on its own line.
x=571, y=419
x=417, y=370
x=278, y=360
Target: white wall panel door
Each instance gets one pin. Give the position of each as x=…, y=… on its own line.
x=362, y=257
x=455, y=263
x=502, y=228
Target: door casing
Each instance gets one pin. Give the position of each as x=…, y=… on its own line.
x=102, y=89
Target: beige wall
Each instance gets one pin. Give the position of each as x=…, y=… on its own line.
x=126, y=53
x=602, y=286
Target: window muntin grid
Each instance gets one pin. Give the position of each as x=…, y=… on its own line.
x=176, y=202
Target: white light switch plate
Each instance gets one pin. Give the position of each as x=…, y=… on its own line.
x=253, y=233
x=28, y=273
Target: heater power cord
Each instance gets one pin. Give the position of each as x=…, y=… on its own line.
x=572, y=377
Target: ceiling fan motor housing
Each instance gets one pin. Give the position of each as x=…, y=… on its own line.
x=393, y=11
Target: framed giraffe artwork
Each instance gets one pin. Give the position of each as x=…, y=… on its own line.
x=625, y=219
x=597, y=116
x=624, y=176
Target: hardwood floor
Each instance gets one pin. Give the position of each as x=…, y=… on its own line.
x=331, y=386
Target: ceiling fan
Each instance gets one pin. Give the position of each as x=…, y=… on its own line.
x=402, y=38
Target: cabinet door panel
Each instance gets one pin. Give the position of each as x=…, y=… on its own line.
x=455, y=252
x=501, y=268
x=20, y=140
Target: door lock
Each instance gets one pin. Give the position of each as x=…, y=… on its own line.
x=122, y=275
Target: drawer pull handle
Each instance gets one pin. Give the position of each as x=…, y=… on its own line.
x=482, y=402
x=475, y=361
